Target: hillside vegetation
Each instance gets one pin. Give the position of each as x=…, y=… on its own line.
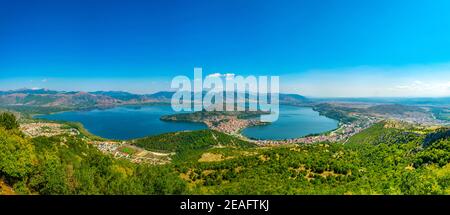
x=386, y=163
x=387, y=158
x=188, y=145
x=68, y=165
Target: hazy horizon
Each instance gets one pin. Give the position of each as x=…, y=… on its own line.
x=371, y=49
x=173, y=90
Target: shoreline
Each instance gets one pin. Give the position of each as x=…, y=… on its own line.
x=237, y=133
x=245, y=123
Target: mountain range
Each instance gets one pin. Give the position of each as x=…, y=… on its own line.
x=71, y=99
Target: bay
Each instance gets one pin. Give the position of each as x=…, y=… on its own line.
x=293, y=122
x=130, y=122
x=126, y=122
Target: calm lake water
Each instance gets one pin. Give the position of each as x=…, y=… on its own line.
x=293, y=122
x=125, y=123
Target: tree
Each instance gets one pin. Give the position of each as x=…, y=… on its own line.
x=17, y=157
x=8, y=121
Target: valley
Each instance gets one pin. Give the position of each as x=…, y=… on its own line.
x=376, y=149
x=389, y=157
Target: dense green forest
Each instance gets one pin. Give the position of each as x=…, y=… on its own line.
x=189, y=145
x=380, y=160
x=68, y=165
x=387, y=158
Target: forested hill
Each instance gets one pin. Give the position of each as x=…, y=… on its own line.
x=70, y=165
x=388, y=158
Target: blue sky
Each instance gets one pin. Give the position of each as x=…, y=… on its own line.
x=318, y=48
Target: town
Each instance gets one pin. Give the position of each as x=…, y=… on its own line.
x=231, y=123
x=118, y=149
x=233, y=126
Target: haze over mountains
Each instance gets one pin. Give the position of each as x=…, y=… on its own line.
x=52, y=98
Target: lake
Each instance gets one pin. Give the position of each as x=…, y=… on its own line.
x=293, y=122
x=129, y=122
x=126, y=122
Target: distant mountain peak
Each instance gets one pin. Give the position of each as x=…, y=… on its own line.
x=46, y=97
